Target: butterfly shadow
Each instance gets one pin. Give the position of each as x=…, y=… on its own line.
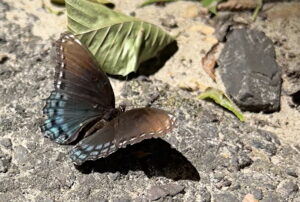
x=154, y=157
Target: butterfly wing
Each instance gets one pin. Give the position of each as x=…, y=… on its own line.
x=130, y=127
x=82, y=92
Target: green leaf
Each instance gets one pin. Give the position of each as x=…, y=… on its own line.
x=211, y=5
x=58, y=2
x=104, y=2
x=220, y=98
x=259, y=4
x=149, y=2
x=120, y=43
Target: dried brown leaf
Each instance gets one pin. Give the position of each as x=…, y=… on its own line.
x=237, y=5
x=209, y=62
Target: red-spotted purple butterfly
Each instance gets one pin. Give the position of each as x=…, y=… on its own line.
x=83, y=102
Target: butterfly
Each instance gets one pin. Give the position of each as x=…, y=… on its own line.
x=83, y=102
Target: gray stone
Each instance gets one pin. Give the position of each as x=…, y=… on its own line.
x=291, y=172
x=169, y=21
x=21, y=155
x=205, y=196
x=123, y=199
x=293, y=75
x=114, y=176
x=6, y=142
x=173, y=189
x=271, y=197
x=156, y=192
x=3, y=168
x=258, y=194
x=225, y=197
x=249, y=71
x=5, y=164
x=287, y=188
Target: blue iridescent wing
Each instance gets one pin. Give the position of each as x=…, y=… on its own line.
x=82, y=92
x=130, y=127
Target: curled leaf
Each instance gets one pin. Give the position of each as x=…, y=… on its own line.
x=209, y=62
x=120, y=43
x=220, y=98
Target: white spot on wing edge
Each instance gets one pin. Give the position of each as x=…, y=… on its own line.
x=58, y=84
x=77, y=41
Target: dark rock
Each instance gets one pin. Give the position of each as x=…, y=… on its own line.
x=223, y=23
x=225, y=197
x=296, y=99
x=242, y=161
x=269, y=148
x=265, y=141
x=291, y=172
x=3, y=58
x=224, y=183
x=249, y=71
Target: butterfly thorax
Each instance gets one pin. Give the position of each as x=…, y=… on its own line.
x=111, y=114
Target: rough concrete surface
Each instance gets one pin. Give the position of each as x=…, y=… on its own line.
x=210, y=156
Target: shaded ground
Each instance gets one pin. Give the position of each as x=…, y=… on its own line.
x=210, y=156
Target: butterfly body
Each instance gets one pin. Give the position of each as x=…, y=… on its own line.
x=83, y=102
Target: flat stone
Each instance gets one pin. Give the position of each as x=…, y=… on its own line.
x=21, y=155
x=287, y=187
x=205, y=196
x=173, y=189
x=156, y=192
x=6, y=142
x=121, y=199
x=3, y=167
x=249, y=71
x=225, y=197
x=291, y=172
x=114, y=176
